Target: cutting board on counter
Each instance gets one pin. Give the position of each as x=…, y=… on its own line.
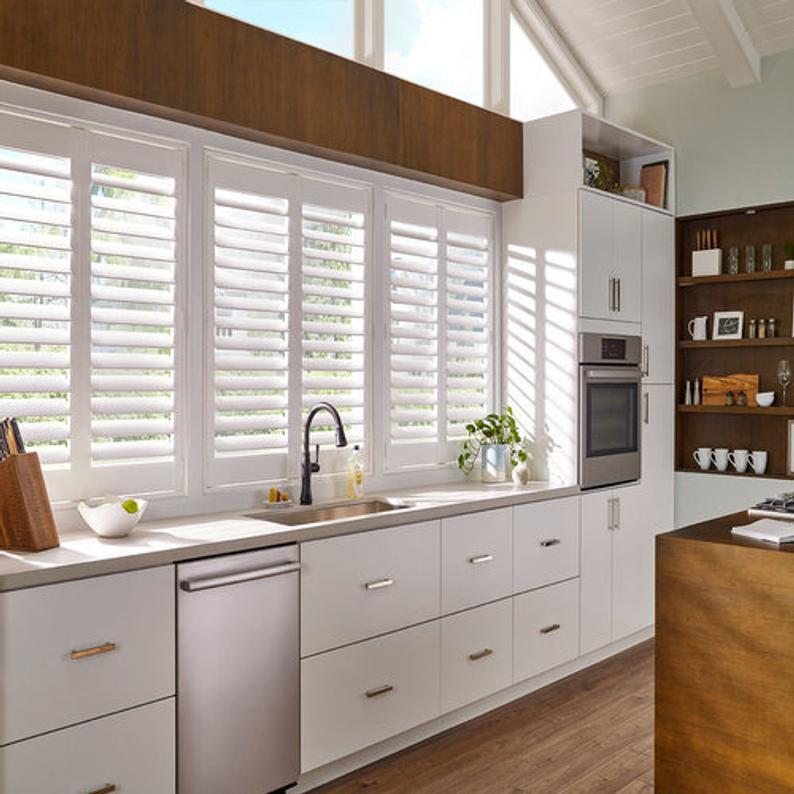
x=716, y=387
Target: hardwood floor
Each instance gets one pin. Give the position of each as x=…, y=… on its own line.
x=592, y=732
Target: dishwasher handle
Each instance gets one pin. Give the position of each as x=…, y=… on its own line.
x=196, y=585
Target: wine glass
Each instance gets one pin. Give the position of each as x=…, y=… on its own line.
x=784, y=376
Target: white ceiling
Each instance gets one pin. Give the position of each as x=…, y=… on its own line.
x=626, y=44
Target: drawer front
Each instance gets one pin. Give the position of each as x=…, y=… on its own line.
x=133, y=751
x=476, y=654
x=358, y=586
x=359, y=695
x=79, y=650
x=476, y=559
x=545, y=629
x=546, y=543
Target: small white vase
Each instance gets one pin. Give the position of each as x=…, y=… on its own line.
x=494, y=462
x=520, y=473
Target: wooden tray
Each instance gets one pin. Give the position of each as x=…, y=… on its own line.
x=715, y=388
x=26, y=520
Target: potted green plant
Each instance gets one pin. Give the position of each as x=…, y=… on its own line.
x=788, y=253
x=496, y=438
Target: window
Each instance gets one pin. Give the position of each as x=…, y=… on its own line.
x=438, y=44
x=439, y=328
x=327, y=24
x=535, y=90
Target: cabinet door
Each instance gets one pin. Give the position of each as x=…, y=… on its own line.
x=658, y=297
x=627, y=231
x=632, y=563
x=596, y=571
x=658, y=433
x=597, y=257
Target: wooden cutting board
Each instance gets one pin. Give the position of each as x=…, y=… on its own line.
x=715, y=388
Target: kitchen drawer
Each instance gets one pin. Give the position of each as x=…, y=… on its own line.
x=133, y=751
x=358, y=586
x=545, y=543
x=52, y=677
x=476, y=653
x=476, y=559
x=359, y=695
x=545, y=629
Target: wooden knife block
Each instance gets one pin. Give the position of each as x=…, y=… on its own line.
x=26, y=520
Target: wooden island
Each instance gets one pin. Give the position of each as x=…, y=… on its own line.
x=724, y=661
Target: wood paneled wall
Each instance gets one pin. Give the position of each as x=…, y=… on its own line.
x=173, y=59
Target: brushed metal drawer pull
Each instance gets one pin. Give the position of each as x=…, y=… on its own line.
x=381, y=690
x=550, y=542
x=475, y=657
x=378, y=584
x=96, y=650
x=549, y=629
x=105, y=789
x=481, y=558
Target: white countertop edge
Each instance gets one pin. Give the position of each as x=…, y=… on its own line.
x=83, y=554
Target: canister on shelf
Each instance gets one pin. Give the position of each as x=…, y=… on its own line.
x=771, y=328
x=751, y=330
x=762, y=329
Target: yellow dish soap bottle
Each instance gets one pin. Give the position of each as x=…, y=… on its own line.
x=355, y=474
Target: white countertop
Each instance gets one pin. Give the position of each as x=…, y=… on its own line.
x=83, y=554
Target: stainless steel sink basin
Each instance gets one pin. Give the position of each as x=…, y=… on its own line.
x=295, y=516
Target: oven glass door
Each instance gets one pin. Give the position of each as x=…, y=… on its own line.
x=611, y=418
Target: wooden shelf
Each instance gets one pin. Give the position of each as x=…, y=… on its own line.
x=776, y=341
x=749, y=474
x=738, y=278
x=749, y=410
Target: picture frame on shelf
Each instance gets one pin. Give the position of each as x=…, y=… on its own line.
x=653, y=179
x=727, y=325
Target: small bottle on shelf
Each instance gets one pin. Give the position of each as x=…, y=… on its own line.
x=696, y=396
x=762, y=329
x=771, y=328
x=688, y=393
x=751, y=330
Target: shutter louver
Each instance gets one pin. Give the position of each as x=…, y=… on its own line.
x=133, y=283
x=35, y=298
x=333, y=318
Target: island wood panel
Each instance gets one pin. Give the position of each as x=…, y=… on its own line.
x=724, y=655
x=176, y=60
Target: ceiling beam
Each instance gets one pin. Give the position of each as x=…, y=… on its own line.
x=497, y=56
x=723, y=27
x=559, y=56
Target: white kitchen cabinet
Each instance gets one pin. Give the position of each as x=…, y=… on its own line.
x=476, y=653
x=658, y=297
x=545, y=543
x=476, y=558
x=610, y=258
x=545, y=629
x=658, y=439
x=617, y=578
x=131, y=752
x=74, y=651
x=359, y=695
x=358, y=586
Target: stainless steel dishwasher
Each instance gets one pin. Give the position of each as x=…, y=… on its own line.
x=238, y=686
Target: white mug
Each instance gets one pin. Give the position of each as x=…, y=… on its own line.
x=702, y=456
x=738, y=459
x=697, y=327
x=758, y=461
x=720, y=458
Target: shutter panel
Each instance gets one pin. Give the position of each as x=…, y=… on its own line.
x=468, y=321
x=413, y=332
x=35, y=291
x=333, y=307
x=250, y=249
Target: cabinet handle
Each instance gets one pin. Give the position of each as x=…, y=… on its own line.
x=381, y=690
x=646, y=360
x=646, y=408
x=610, y=514
x=96, y=650
x=378, y=584
x=550, y=542
x=550, y=629
x=480, y=558
x=611, y=293
x=620, y=302
x=616, y=516
x=105, y=789
x=475, y=657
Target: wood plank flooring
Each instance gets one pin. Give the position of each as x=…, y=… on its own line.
x=591, y=732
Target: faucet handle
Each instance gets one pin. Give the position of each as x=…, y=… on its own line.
x=316, y=461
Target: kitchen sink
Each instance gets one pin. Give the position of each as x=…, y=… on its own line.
x=312, y=515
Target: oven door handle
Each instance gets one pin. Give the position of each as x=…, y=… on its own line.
x=627, y=374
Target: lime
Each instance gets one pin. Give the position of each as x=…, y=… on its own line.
x=130, y=505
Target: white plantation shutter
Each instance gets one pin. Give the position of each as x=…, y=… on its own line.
x=333, y=320
x=413, y=331
x=250, y=230
x=468, y=320
x=36, y=284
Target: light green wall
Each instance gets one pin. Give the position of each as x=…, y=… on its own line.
x=734, y=146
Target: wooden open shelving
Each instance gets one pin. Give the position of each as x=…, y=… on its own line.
x=760, y=295
x=729, y=473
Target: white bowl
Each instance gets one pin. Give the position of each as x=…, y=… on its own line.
x=110, y=519
x=765, y=398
